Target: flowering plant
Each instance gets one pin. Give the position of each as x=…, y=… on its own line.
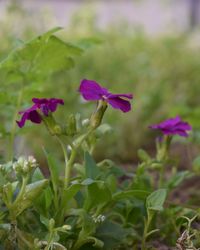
x=84, y=204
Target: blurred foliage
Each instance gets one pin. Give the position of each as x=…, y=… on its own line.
x=162, y=73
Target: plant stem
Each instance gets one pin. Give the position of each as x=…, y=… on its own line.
x=13, y=128
x=22, y=190
x=49, y=241
x=161, y=177
x=69, y=162
x=12, y=212
x=68, y=168
x=146, y=228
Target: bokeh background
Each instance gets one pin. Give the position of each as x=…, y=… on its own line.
x=148, y=47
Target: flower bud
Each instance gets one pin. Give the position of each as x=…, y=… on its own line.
x=57, y=129
x=85, y=122
x=71, y=125
x=66, y=227
x=51, y=224
x=51, y=125
x=97, y=116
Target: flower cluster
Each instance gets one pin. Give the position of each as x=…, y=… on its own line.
x=98, y=219
x=24, y=166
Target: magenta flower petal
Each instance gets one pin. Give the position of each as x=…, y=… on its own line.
x=23, y=120
x=119, y=103
x=92, y=91
x=128, y=96
x=39, y=101
x=173, y=126
x=40, y=104
x=30, y=115
x=34, y=117
x=53, y=103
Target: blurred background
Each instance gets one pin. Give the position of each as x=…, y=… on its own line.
x=150, y=48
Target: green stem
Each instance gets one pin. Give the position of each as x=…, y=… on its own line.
x=69, y=162
x=49, y=241
x=64, y=153
x=13, y=128
x=12, y=210
x=161, y=177
x=146, y=228
x=68, y=168
x=22, y=190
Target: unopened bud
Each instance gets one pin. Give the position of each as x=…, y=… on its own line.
x=71, y=125
x=67, y=227
x=57, y=129
x=85, y=122
x=51, y=125
x=97, y=116
x=51, y=224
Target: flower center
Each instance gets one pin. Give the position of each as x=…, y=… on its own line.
x=104, y=97
x=44, y=108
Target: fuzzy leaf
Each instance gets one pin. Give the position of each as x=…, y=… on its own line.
x=32, y=191
x=91, y=169
x=156, y=200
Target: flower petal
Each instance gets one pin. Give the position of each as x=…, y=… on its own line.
x=21, y=123
x=39, y=100
x=34, y=117
x=53, y=104
x=91, y=90
x=128, y=96
x=119, y=103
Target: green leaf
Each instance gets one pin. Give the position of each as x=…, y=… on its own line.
x=97, y=194
x=103, y=129
x=156, y=200
x=196, y=165
x=176, y=180
x=111, y=181
x=111, y=233
x=45, y=221
x=32, y=192
x=139, y=194
x=44, y=55
x=71, y=191
x=54, y=170
x=91, y=169
x=87, y=224
x=37, y=175
x=46, y=197
x=143, y=155
x=87, y=43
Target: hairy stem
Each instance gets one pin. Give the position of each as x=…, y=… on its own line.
x=146, y=228
x=22, y=190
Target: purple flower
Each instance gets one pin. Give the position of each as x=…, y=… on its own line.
x=43, y=105
x=92, y=91
x=173, y=126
